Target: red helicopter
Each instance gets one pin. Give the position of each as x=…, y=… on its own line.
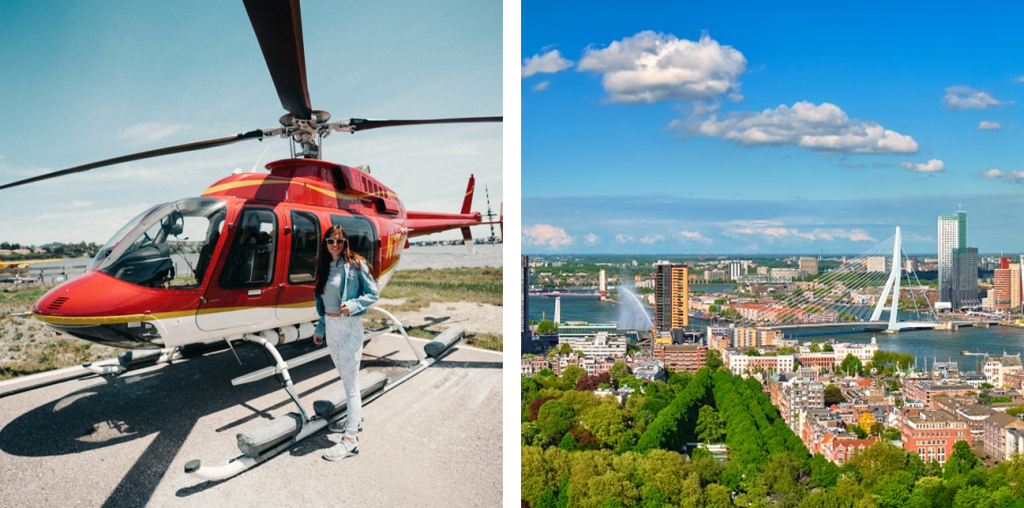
x=238, y=262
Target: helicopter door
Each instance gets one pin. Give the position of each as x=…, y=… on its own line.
x=243, y=293
x=296, y=302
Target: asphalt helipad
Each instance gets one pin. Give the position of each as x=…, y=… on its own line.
x=434, y=440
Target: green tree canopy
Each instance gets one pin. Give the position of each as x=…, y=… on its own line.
x=851, y=365
x=833, y=395
x=547, y=327
x=714, y=359
x=710, y=426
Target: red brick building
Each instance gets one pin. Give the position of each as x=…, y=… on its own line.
x=932, y=433
x=680, y=358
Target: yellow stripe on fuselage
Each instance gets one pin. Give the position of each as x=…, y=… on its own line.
x=109, y=320
x=333, y=194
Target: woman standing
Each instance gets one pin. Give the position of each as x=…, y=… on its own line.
x=341, y=297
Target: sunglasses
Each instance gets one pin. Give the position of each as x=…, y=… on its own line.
x=332, y=241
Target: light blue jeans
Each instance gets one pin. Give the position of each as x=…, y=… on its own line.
x=344, y=336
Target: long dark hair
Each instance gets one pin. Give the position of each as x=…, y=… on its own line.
x=324, y=258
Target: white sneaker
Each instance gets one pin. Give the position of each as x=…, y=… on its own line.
x=342, y=450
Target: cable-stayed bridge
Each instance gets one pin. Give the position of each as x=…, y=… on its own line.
x=859, y=295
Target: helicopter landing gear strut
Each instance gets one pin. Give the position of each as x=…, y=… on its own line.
x=267, y=440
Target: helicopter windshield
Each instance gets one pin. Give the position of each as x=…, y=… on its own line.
x=170, y=247
x=109, y=246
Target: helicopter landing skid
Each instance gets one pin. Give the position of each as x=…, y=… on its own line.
x=269, y=439
x=135, y=359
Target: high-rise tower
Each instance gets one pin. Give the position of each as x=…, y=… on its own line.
x=958, y=264
x=672, y=297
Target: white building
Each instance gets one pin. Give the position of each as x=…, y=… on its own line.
x=876, y=264
x=863, y=352
x=597, y=346
x=996, y=368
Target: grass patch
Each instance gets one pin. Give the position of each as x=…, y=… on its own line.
x=24, y=295
x=420, y=288
x=485, y=341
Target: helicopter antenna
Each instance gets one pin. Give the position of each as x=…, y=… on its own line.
x=490, y=216
x=254, y=166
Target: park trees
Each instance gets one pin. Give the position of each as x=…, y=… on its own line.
x=710, y=426
x=714, y=359
x=851, y=365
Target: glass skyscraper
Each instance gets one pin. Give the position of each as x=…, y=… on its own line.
x=958, y=264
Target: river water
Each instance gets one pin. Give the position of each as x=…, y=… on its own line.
x=923, y=344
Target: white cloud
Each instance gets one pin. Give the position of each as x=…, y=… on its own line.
x=548, y=63
x=546, y=236
x=651, y=239
x=692, y=236
x=591, y=239
x=932, y=166
x=652, y=67
x=621, y=238
x=150, y=132
x=962, y=97
x=1018, y=79
x=1012, y=176
x=540, y=87
x=989, y=126
x=824, y=127
x=771, y=231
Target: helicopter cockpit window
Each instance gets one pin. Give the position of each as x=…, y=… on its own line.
x=250, y=263
x=360, y=234
x=165, y=250
x=305, y=241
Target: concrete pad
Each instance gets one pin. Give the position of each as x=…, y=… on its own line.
x=123, y=441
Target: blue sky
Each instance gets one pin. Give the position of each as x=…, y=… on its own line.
x=750, y=128
x=93, y=80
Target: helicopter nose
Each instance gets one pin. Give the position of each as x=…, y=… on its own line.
x=98, y=308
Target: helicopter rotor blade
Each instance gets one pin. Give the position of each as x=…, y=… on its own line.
x=278, y=27
x=188, y=147
x=362, y=124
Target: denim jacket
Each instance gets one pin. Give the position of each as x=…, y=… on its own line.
x=360, y=291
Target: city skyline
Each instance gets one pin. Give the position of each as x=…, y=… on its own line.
x=88, y=82
x=700, y=128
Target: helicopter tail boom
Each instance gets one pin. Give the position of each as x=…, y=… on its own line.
x=425, y=223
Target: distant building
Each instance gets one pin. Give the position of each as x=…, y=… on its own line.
x=839, y=449
x=876, y=264
x=735, y=270
x=925, y=391
x=740, y=363
x=1015, y=287
x=714, y=274
x=792, y=273
x=649, y=370
x=524, y=289
x=809, y=265
x=997, y=369
x=672, y=297
x=571, y=329
x=911, y=265
x=1006, y=286
x=995, y=432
